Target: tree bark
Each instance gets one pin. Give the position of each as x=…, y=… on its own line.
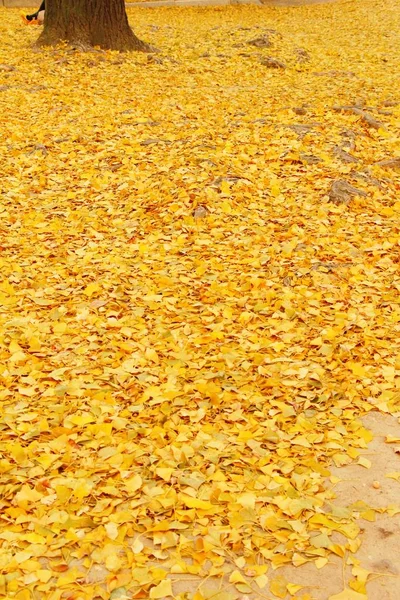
x=87, y=23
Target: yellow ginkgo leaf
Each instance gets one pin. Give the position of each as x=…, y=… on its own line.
x=278, y=586
x=134, y=483
x=191, y=502
x=236, y=577
x=162, y=590
x=348, y=594
x=91, y=289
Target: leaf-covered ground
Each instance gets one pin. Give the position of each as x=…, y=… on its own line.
x=199, y=297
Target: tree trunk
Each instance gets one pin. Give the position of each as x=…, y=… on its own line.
x=87, y=23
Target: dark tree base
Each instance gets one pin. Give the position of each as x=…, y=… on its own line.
x=87, y=23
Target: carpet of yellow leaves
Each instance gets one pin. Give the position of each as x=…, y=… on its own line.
x=192, y=318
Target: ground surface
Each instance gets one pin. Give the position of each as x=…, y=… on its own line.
x=198, y=305
x=296, y=2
